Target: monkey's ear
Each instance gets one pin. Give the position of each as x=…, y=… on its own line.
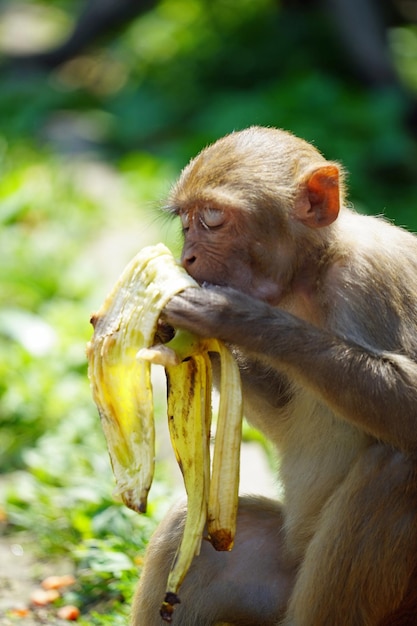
x=319, y=201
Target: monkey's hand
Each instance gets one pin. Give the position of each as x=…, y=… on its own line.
x=315, y=356
x=191, y=310
x=216, y=312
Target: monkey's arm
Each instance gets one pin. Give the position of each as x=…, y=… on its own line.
x=375, y=390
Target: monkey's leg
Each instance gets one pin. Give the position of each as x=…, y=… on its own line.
x=359, y=564
x=248, y=586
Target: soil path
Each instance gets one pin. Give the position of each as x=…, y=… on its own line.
x=20, y=576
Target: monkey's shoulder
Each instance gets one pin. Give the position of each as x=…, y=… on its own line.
x=370, y=291
x=373, y=237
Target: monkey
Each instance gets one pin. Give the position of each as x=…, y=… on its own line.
x=319, y=305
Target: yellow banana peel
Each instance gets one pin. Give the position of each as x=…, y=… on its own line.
x=120, y=355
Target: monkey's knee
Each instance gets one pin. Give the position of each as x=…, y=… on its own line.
x=250, y=585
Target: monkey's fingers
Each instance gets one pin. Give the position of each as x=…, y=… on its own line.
x=204, y=311
x=187, y=311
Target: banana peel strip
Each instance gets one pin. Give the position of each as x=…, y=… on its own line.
x=120, y=355
x=224, y=483
x=189, y=427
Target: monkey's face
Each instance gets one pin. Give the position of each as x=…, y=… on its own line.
x=245, y=201
x=221, y=247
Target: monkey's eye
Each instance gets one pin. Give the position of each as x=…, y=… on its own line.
x=185, y=219
x=212, y=217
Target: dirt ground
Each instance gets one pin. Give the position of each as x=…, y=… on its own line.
x=21, y=575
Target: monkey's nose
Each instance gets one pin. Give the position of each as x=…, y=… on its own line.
x=189, y=260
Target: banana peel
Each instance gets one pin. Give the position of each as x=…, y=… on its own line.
x=120, y=382
x=120, y=355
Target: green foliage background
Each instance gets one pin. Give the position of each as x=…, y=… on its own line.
x=87, y=153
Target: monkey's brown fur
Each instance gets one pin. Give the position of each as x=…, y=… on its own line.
x=320, y=304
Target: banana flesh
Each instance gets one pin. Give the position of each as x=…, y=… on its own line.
x=120, y=355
